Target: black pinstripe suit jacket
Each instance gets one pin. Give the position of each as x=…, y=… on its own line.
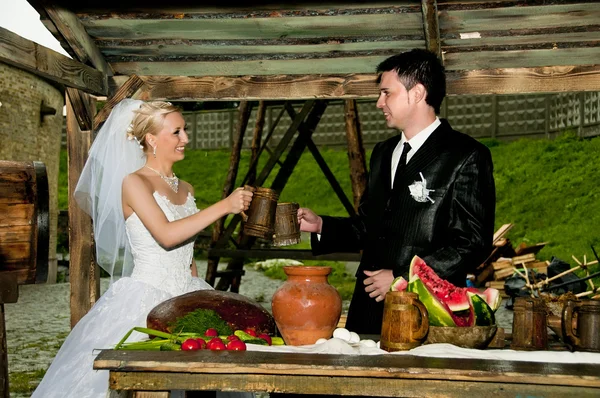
x=453, y=234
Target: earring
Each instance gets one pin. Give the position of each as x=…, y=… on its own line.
x=154, y=152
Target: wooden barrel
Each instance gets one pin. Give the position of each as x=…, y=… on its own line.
x=24, y=221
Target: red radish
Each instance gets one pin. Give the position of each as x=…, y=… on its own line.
x=251, y=332
x=216, y=344
x=190, y=345
x=232, y=337
x=265, y=337
x=218, y=347
x=236, y=345
x=201, y=343
x=211, y=332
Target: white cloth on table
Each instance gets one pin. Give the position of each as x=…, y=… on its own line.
x=338, y=346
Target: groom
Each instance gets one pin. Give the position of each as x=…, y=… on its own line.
x=430, y=193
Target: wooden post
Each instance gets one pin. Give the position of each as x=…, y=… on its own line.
x=431, y=26
x=264, y=147
x=256, y=139
x=9, y=293
x=273, y=160
x=305, y=130
x=233, y=277
x=83, y=272
x=581, y=96
x=337, y=188
x=356, y=151
x=4, y=388
x=234, y=162
x=494, y=132
x=547, y=113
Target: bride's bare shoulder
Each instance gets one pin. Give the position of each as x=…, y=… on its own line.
x=136, y=181
x=188, y=186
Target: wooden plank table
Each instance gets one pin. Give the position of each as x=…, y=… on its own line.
x=369, y=375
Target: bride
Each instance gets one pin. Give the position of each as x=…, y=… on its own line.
x=145, y=220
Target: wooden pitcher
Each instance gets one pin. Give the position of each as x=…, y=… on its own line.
x=287, y=229
x=260, y=218
x=405, y=322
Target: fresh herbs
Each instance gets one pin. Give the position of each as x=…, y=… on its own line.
x=199, y=321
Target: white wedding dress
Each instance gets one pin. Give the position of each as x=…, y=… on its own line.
x=158, y=275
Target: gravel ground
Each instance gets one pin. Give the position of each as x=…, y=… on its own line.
x=39, y=322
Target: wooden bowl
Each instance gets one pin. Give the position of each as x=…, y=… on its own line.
x=467, y=337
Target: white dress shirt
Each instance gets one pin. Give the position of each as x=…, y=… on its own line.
x=415, y=143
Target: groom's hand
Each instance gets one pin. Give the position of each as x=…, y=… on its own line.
x=378, y=283
x=309, y=221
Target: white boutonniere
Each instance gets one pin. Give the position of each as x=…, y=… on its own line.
x=419, y=192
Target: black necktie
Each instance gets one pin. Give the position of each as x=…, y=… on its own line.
x=401, y=162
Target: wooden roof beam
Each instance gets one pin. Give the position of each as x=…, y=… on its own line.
x=74, y=33
x=547, y=79
x=289, y=87
x=270, y=87
x=126, y=90
x=27, y=55
x=431, y=26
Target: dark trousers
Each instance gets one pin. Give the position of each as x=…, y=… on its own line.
x=365, y=314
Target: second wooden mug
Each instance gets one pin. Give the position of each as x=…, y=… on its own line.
x=287, y=229
x=260, y=219
x=405, y=322
x=581, y=324
x=529, y=324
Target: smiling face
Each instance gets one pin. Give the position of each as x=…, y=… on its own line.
x=395, y=101
x=171, y=140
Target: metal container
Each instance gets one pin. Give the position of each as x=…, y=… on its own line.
x=581, y=324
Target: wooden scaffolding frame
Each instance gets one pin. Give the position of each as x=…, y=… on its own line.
x=513, y=61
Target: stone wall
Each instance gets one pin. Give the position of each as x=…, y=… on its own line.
x=26, y=136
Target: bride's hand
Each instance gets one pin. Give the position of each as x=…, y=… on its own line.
x=239, y=200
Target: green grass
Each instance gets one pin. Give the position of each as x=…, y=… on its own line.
x=549, y=189
x=25, y=382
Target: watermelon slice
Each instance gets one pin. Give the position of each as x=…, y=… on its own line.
x=454, y=297
x=490, y=295
x=399, y=284
x=439, y=313
x=484, y=316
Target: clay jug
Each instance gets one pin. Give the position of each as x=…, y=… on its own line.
x=306, y=307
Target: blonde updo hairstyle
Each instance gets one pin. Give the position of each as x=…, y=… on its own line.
x=149, y=119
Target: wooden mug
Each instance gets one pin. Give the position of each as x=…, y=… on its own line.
x=586, y=334
x=405, y=322
x=260, y=218
x=529, y=329
x=287, y=229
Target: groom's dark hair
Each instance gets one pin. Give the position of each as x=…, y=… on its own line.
x=418, y=66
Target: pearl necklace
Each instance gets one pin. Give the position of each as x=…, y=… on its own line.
x=173, y=182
